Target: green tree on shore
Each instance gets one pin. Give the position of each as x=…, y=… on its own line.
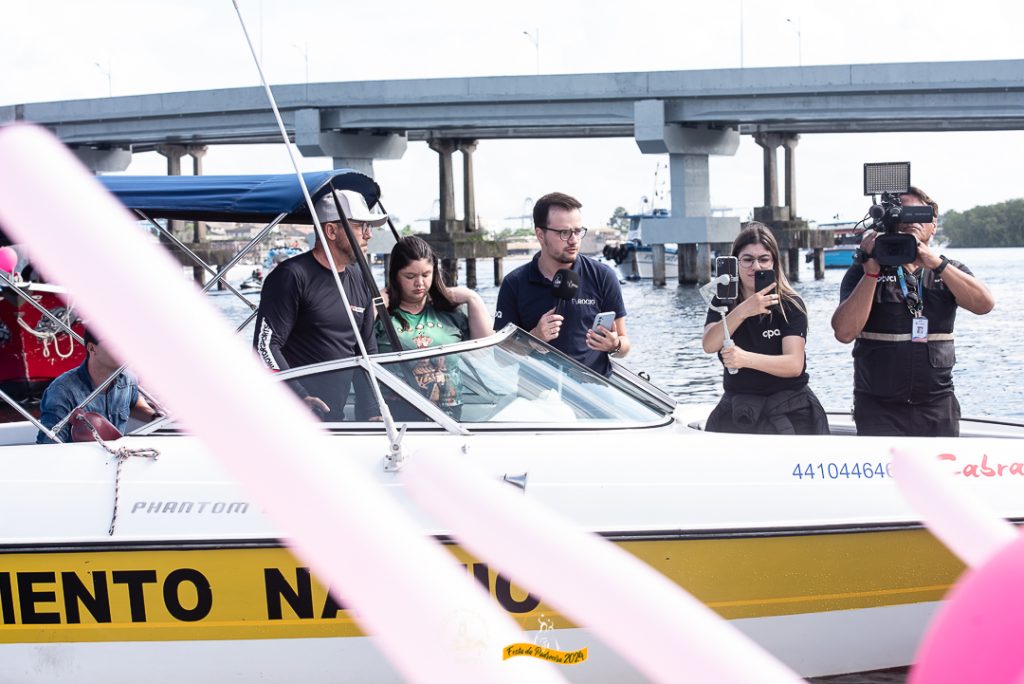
x=993, y=225
x=619, y=220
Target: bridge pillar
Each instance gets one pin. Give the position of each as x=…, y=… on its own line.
x=790, y=143
x=791, y=232
x=446, y=225
x=197, y=152
x=453, y=239
x=690, y=225
x=467, y=148
x=174, y=153
x=770, y=142
x=107, y=160
x=355, y=151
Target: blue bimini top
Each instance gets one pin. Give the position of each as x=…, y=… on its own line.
x=259, y=198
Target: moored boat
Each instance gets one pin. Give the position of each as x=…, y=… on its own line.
x=632, y=258
x=846, y=237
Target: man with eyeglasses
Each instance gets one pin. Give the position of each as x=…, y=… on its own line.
x=526, y=297
x=901, y=319
x=301, y=319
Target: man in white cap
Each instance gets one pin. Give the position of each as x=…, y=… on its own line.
x=301, y=319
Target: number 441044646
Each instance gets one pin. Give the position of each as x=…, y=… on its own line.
x=838, y=471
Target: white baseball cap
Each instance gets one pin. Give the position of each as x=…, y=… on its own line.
x=353, y=204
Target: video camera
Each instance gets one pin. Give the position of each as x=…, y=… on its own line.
x=891, y=180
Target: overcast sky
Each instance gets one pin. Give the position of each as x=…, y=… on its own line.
x=67, y=49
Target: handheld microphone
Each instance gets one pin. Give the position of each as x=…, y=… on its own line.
x=564, y=286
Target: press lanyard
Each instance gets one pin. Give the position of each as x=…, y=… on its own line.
x=915, y=312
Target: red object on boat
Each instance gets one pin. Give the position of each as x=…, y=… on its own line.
x=34, y=350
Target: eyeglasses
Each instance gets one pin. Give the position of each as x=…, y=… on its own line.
x=357, y=226
x=764, y=261
x=577, y=233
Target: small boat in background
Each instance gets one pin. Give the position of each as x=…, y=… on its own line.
x=846, y=237
x=254, y=281
x=632, y=258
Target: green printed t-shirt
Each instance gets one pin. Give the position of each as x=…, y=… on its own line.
x=438, y=378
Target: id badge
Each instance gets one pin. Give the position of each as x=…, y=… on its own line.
x=919, y=330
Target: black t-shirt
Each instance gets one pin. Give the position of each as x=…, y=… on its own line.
x=301, y=319
x=901, y=370
x=763, y=335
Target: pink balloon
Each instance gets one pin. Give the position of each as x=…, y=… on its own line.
x=8, y=259
x=975, y=637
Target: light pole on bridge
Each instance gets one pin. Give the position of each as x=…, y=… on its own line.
x=106, y=72
x=799, y=41
x=535, y=39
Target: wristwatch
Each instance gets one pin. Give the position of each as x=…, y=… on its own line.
x=618, y=348
x=941, y=267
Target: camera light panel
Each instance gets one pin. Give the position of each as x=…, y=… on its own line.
x=886, y=177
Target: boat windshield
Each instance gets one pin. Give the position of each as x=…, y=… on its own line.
x=520, y=380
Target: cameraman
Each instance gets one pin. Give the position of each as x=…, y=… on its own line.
x=902, y=320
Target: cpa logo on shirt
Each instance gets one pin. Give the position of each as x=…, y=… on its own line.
x=769, y=334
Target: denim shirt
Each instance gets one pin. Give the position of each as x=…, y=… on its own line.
x=68, y=390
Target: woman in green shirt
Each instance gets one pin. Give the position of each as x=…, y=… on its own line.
x=426, y=313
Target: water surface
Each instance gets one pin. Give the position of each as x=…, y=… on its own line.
x=665, y=325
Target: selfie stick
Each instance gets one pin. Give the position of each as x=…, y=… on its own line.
x=708, y=293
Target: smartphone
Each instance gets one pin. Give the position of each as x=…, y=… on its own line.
x=605, y=318
x=728, y=265
x=763, y=279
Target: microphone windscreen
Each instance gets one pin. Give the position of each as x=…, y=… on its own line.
x=565, y=283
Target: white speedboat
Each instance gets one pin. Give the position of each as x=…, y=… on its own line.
x=804, y=542
x=117, y=562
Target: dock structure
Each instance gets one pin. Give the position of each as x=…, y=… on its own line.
x=453, y=239
x=688, y=115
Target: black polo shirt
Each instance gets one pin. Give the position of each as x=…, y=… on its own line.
x=525, y=296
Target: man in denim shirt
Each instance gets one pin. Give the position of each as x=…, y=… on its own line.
x=120, y=399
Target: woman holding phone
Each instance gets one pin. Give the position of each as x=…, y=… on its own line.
x=767, y=392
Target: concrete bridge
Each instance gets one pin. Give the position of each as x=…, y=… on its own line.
x=688, y=115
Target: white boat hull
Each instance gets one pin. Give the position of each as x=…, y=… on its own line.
x=830, y=573
x=639, y=265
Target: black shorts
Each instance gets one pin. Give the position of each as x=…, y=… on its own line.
x=937, y=418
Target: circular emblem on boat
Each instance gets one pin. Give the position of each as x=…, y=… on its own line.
x=467, y=633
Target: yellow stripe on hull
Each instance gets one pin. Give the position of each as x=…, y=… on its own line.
x=162, y=594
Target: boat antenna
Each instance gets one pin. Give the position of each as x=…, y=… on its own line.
x=394, y=458
x=391, y=225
